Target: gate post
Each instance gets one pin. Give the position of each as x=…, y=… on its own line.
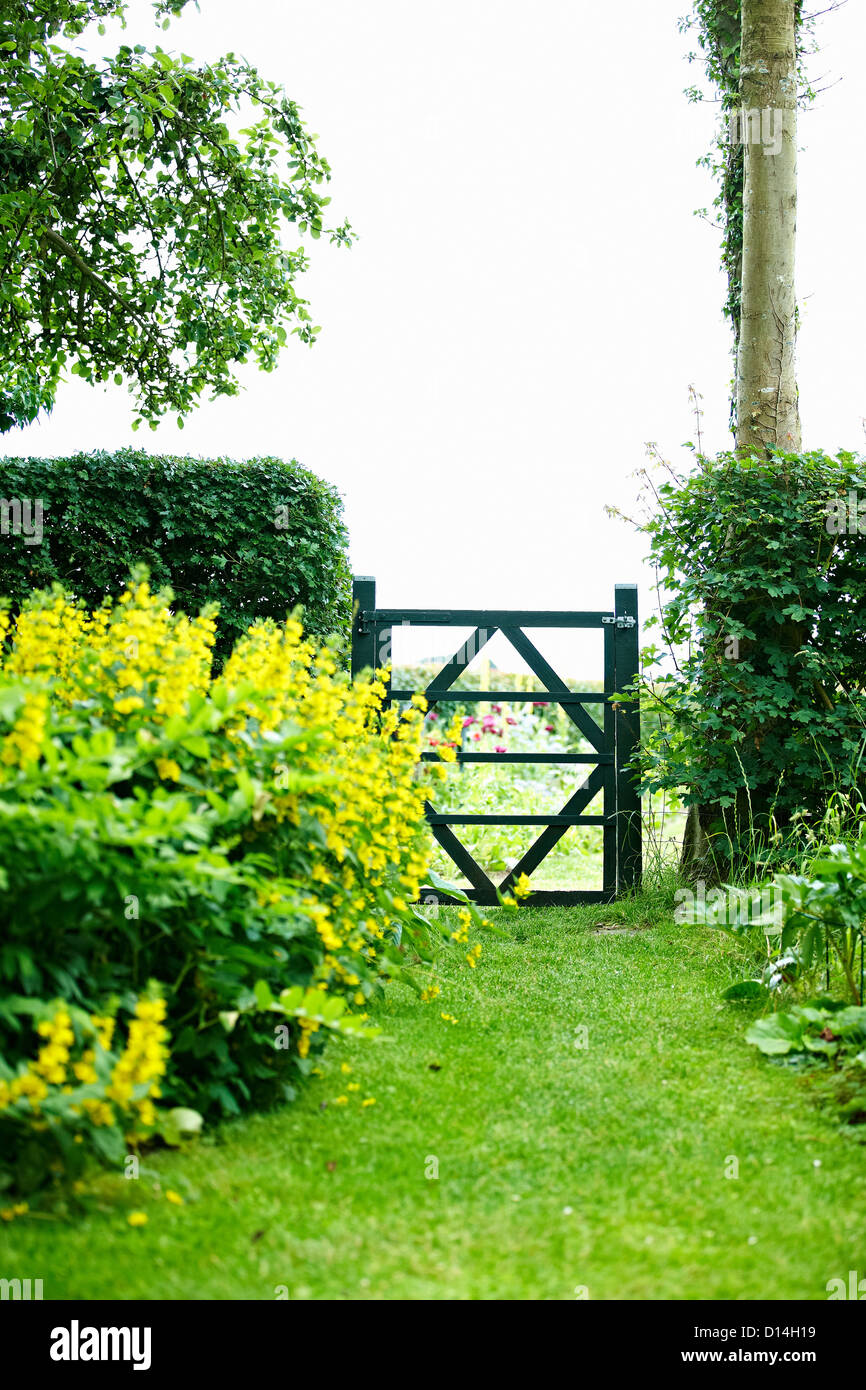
x=610, y=833
x=363, y=633
x=628, y=809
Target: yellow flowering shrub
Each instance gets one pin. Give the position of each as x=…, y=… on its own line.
x=85, y=1093
x=242, y=840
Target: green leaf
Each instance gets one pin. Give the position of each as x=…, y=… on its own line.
x=262, y=991
x=188, y=1123
x=746, y=989
x=435, y=880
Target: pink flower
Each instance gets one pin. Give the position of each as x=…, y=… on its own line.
x=509, y=720
x=470, y=719
x=497, y=709
x=548, y=728
x=500, y=749
x=433, y=714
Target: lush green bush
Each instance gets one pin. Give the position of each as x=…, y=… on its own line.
x=762, y=572
x=803, y=933
x=252, y=842
x=811, y=924
x=824, y=1027
x=827, y=1037
x=261, y=536
x=84, y=1095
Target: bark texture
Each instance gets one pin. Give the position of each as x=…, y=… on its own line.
x=767, y=407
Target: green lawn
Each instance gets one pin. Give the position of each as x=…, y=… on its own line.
x=559, y=1166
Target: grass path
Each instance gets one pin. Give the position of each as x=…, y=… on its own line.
x=558, y=1166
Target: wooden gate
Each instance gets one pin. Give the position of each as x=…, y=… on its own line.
x=613, y=742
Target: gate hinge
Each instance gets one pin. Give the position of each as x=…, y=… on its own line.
x=621, y=622
x=364, y=616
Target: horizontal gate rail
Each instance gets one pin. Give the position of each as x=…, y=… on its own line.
x=477, y=617
x=458, y=818
x=614, y=740
x=604, y=759
x=438, y=695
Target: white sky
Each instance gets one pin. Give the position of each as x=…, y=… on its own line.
x=531, y=295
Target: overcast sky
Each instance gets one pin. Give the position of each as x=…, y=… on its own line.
x=531, y=294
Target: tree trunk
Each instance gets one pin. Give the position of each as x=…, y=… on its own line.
x=768, y=413
x=767, y=408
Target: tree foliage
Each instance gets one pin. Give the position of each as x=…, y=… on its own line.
x=144, y=205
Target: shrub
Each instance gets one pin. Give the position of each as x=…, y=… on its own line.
x=763, y=587
x=261, y=536
x=823, y=1027
x=82, y=1096
x=251, y=842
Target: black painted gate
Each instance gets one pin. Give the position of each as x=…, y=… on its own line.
x=613, y=741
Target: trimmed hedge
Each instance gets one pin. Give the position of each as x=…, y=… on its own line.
x=259, y=536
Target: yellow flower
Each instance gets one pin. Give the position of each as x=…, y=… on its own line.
x=128, y=704
x=151, y=1010
x=147, y=1112
x=371, y=1100
x=342, y=1100
x=173, y=1197
x=137, y=1218
x=522, y=887
x=24, y=744
x=322, y=749
x=345, y=1068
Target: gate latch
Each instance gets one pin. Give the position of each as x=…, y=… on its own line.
x=621, y=622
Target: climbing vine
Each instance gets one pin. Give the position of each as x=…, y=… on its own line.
x=717, y=25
